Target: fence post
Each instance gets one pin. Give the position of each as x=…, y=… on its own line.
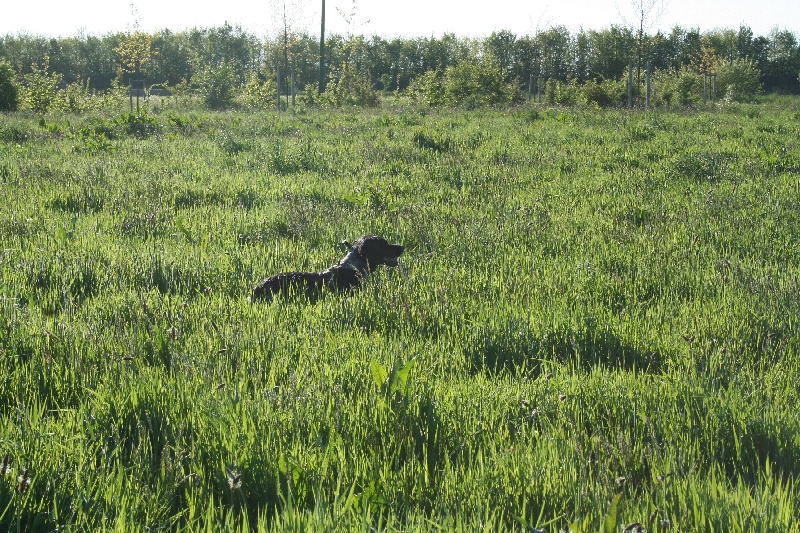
x=539, y=79
x=630, y=84
x=647, y=77
x=713, y=87
x=278, y=77
x=530, y=87
x=293, y=92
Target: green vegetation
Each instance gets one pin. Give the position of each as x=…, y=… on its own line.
x=589, y=67
x=9, y=92
x=595, y=322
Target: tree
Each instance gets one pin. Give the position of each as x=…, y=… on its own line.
x=9, y=92
x=216, y=85
x=41, y=88
x=173, y=61
x=706, y=60
x=555, y=52
x=783, y=61
x=738, y=79
x=646, y=14
x=610, y=52
x=135, y=49
x=501, y=46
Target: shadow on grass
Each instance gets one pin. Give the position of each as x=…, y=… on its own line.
x=515, y=348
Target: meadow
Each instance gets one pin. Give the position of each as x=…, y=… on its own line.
x=595, y=323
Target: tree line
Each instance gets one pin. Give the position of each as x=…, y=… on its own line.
x=588, y=56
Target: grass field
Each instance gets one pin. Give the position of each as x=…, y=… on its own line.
x=595, y=322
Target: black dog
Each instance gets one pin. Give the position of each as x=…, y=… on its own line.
x=363, y=257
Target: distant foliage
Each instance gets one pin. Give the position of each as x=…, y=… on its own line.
x=470, y=84
x=608, y=93
x=350, y=80
x=259, y=93
x=682, y=87
x=9, y=92
x=216, y=85
x=427, y=89
x=589, y=67
x=41, y=88
x=737, y=80
x=477, y=83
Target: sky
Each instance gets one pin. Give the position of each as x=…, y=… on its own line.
x=403, y=18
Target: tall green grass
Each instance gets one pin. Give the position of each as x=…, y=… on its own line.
x=592, y=304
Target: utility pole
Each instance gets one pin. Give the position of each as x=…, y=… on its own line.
x=322, y=52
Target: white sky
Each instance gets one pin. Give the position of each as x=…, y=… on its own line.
x=407, y=18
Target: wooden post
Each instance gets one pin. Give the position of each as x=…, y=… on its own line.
x=647, y=78
x=705, y=78
x=630, y=84
x=539, y=89
x=292, y=86
x=713, y=87
x=530, y=87
x=278, y=76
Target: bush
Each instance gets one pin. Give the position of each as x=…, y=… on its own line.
x=348, y=87
x=607, y=93
x=41, y=88
x=258, y=93
x=427, y=89
x=738, y=79
x=9, y=92
x=470, y=84
x=75, y=98
x=139, y=125
x=557, y=92
x=216, y=85
x=682, y=87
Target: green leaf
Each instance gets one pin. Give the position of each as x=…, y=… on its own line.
x=184, y=231
x=399, y=381
x=61, y=235
x=379, y=373
x=610, y=525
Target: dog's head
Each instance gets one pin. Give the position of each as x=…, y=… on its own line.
x=376, y=251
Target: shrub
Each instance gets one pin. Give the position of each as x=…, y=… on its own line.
x=682, y=87
x=139, y=125
x=472, y=83
x=9, y=92
x=738, y=79
x=607, y=93
x=75, y=98
x=348, y=87
x=427, y=89
x=258, y=93
x=41, y=88
x=558, y=92
x=216, y=85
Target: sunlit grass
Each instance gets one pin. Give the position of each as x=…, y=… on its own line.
x=591, y=304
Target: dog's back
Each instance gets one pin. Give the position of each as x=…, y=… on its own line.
x=283, y=282
x=364, y=256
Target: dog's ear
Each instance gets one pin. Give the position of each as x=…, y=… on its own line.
x=346, y=245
